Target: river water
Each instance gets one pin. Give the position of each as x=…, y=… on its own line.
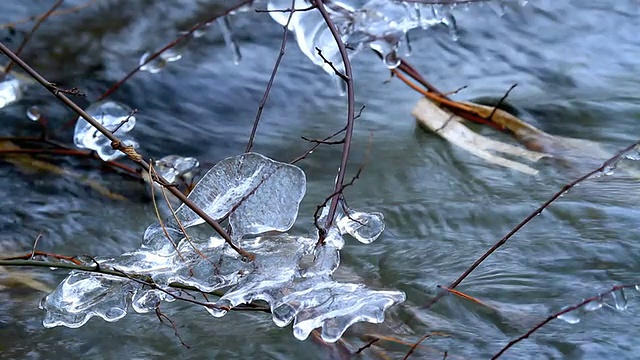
x=576, y=66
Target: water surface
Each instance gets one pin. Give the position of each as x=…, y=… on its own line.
x=575, y=63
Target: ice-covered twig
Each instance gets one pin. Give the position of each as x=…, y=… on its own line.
x=129, y=151
x=348, y=79
x=559, y=314
x=170, y=45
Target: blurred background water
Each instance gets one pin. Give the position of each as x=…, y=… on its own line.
x=575, y=63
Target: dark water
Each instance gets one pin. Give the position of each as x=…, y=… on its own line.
x=576, y=64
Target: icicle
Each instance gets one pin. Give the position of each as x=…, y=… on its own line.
x=229, y=38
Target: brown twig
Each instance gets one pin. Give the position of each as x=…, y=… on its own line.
x=168, y=46
x=40, y=16
x=28, y=36
x=367, y=345
x=163, y=317
x=128, y=150
x=415, y=346
x=348, y=79
x=467, y=297
x=559, y=313
x=77, y=153
x=30, y=256
x=502, y=99
x=317, y=144
x=265, y=96
x=530, y=217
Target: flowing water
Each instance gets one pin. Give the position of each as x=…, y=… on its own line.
x=576, y=66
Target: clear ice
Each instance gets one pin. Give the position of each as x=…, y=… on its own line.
x=229, y=39
x=259, y=195
x=33, y=113
x=11, y=89
x=112, y=115
x=172, y=166
x=251, y=189
x=380, y=24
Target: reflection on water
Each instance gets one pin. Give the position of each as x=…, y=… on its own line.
x=574, y=62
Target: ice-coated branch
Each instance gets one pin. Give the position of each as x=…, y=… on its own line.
x=620, y=304
x=348, y=79
x=170, y=45
x=127, y=150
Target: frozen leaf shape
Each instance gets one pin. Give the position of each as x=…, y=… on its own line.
x=309, y=297
x=290, y=273
x=258, y=194
x=336, y=306
x=83, y=295
x=364, y=227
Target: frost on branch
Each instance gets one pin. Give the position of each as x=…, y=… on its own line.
x=289, y=272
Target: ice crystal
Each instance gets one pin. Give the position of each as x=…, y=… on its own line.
x=259, y=195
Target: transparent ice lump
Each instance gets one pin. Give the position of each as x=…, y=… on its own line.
x=616, y=300
x=171, y=167
x=258, y=195
x=113, y=116
x=11, y=89
x=176, y=52
x=381, y=24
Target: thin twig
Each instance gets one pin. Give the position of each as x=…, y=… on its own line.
x=317, y=144
x=28, y=36
x=35, y=245
x=265, y=96
x=168, y=46
x=502, y=99
x=367, y=345
x=348, y=78
x=415, y=346
x=530, y=217
x=559, y=313
x=162, y=317
x=128, y=150
x=40, y=16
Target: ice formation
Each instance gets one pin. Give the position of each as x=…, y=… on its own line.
x=112, y=115
x=381, y=25
x=616, y=300
x=176, y=52
x=172, y=166
x=11, y=89
x=258, y=195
